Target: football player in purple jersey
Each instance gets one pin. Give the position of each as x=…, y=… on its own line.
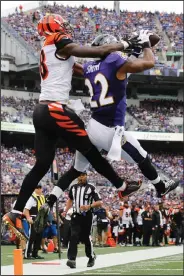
x=107, y=81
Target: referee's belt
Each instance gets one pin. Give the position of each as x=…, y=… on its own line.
x=81, y=214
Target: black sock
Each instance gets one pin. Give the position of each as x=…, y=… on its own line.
x=30, y=183
x=63, y=183
x=160, y=187
x=147, y=169
x=66, y=179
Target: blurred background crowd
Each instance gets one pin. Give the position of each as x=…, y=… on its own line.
x=150, y=115
x=16, y=163
x=87, y=22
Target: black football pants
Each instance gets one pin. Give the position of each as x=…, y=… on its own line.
x=34, y=242
x=81, y=227
x=53, y=121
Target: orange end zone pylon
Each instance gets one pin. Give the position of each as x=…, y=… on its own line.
x=18, y=261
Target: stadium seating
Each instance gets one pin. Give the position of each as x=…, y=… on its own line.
x=89, y=22
x=156, y=116
x=15, y=164
x=172, y=24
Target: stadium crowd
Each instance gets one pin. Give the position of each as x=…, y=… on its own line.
x=155, y=115
x=130, y=222
x=172, y=24
x=152, y=115
x=87, y=22
x=16, y=163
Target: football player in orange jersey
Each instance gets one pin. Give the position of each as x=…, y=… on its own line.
x=53, y=119
x=106, y=79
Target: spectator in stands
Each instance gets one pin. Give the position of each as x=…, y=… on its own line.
x=106, y=21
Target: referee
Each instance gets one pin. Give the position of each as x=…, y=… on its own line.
x=30, y=211
x=82, y=198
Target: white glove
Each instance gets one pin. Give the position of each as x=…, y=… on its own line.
x=144, y=38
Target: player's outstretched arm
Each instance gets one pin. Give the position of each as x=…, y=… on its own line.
x=138, y=65
x=72, y=49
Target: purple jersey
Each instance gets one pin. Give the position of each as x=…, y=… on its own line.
x=108, y=102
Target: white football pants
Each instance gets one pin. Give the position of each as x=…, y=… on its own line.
x=101, y=136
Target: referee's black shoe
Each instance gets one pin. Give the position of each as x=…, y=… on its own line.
x=130, y=188
x=166, y=186
x=71, y=263
x=41, y=218
x=91, y=262
x=38, y=257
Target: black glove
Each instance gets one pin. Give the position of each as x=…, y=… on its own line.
x=131, y=43
x=135, y=52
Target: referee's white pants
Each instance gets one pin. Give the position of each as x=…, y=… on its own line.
x=101, y=136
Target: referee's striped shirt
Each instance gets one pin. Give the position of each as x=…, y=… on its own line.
x=83, y=195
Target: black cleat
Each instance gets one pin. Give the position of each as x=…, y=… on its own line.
x=41, y=218
x=44, y=251
x=37, y=257
x=71, y=264
x=29, y=257
x=14, y=222
x=91, y=262
x=170, y=185
x=131, y=188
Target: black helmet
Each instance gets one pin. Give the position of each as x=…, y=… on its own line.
x=104, y=39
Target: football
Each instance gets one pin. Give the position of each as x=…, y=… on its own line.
x=154, y=39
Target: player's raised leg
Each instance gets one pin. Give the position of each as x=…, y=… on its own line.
x=44, y=151
x=76, y=136
x=133, y=151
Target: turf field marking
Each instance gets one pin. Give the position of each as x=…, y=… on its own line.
x=105, y=261
x=101, y=273
x=160, y=269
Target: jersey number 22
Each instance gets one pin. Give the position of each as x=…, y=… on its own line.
x=103, y=99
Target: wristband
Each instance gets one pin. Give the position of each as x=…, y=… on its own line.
x=146, y=45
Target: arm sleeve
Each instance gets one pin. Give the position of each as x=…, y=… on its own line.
x=61, y=41
x=30, y=203
x=70, y=194
x=117, y=58
x=96, y=196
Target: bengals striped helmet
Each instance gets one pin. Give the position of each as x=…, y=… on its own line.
x=54, y=23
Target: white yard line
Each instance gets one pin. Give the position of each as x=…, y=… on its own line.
x=102, y=261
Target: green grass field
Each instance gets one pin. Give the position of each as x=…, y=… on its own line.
x=172, y=265
x=7, y=253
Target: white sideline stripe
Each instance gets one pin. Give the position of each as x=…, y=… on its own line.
x=102, y=261
x=160, y=269
x=102, y=273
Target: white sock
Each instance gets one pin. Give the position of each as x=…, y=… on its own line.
x=156, y=181
x=57, y=191
x=16, y=212
x=123, y=187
